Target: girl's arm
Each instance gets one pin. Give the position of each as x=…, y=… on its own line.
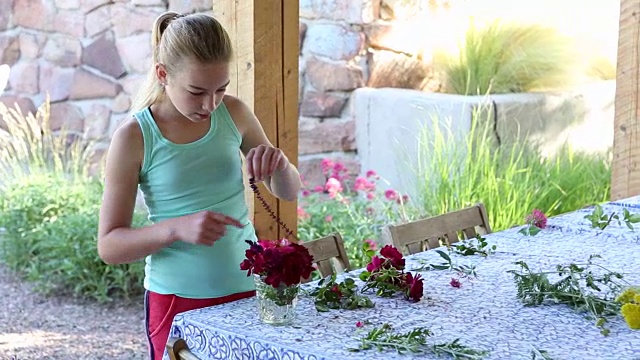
x=279, y=175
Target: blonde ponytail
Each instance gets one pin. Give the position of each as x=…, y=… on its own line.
x=174, y=37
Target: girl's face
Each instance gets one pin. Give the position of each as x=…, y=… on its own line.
x=195, y=89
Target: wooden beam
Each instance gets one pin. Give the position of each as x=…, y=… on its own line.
x=265, y=76
x=625, y=179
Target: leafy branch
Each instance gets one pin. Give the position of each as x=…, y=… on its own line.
x=414, y=341
x=449, y=265
x=539, y=354
x=332, y=295
x=601, y=220
x=470, y=247
x=534, y=288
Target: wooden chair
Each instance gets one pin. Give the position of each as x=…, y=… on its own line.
x=329, y=254
x=429, y=233
x=178, y=350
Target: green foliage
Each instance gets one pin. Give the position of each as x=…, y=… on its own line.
x=357, y=211
x=49, y=208
x=510, y=179
x=508, y=58
x=330, y=294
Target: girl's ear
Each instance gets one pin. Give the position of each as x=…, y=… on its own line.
x=161, y=73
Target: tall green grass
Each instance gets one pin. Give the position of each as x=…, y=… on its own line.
x=49, y=206
x=510, y=179
x=508, y=58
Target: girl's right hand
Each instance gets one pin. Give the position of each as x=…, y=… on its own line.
x=204, y=227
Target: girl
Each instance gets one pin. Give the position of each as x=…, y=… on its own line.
x=181, y=147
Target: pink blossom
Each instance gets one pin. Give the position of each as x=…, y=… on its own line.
x=403, y=200
x=371, y=173
x=359, y=324
x=318, y=188
x=326, y=165
x=306, y=193
x=372, y=244
x=371, y=196
x=328, y=218
x=339, y=167
x=333, y=187
x=362, y=184
x=391, y=194
x=302, y=214
x=455, y=283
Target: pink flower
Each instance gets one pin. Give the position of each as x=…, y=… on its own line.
x=391, y=194
x=339, y=167
x=328, y=218
x=375, y=264
x=326, y=165
x=403, y=200
x=455, y=283
x=306, y=193
x=537, y=218
x=371, y=173
x=333, y=187
x=359, y=324
x=362, y=184
x=302, y=214
x=372, y=244
x=371, y=196
x=318, y=189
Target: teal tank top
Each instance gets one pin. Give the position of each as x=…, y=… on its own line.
x=180, y=179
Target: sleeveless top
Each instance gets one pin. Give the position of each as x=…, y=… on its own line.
x=180, y=179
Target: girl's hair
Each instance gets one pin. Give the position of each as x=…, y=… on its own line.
x=175, y=37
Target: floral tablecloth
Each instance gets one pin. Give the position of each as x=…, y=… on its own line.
x=484, y=312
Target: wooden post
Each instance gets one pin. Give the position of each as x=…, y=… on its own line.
x=625, y=180
x=265, y=76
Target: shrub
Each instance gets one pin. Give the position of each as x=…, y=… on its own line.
x=510, y=179
x=49, y=208
x=357, y=209
x=508, y=58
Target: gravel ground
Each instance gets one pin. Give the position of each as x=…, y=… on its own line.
x=36, y=327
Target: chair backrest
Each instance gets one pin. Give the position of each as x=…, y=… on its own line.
x=178, y=350
x=328, y=250
x=445, y=229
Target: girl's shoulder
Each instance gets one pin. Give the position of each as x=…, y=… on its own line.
x=239, y=112
x=128, y=135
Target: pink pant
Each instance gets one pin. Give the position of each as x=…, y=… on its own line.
x=160, y=310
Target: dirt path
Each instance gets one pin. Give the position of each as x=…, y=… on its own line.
x=35, y=327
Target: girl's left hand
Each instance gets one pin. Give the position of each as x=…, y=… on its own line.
x=264, y=160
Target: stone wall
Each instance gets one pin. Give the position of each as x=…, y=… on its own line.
x=91, y=55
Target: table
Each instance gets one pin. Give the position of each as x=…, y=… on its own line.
x=484, y=313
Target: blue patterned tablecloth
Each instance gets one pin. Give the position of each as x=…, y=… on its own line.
x=484, y=313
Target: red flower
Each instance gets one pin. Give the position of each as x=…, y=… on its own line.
x=375, y=264
x=280, y=262
x=359, y=324
x=394, y=256
x=455, y=283
x=336, y=290
x=414, y=287
x=537, y=218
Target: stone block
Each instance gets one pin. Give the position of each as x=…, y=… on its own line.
x=68, y=4
x=328, y=135
x=6, y=15
x=23, y=77
x=103, y=56
x=127, y=20
x=9, y=48
x=135, y=52
x=34, y=14
x=121, y=103
x=56, y=81
x=62, y=50
x=96, y=123
x=327, y=76
x=97, y=21
x=87, y=85
x=335, y=41
x=354, y=12
x=31, y=45
x=323, y=105
x=24, y=103
x=69, y=116
x=69, y=22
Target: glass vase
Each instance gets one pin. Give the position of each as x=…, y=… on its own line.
x=276, y=306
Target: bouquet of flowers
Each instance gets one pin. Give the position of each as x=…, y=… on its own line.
x=386, y=274
x=279, y=262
